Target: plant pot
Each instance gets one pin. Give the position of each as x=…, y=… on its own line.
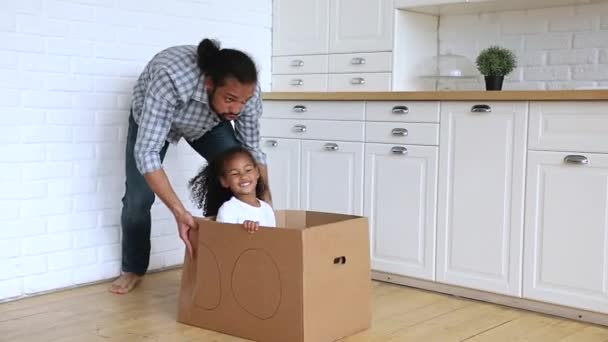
x=494, y=82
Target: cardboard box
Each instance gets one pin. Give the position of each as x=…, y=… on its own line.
x=308, y=281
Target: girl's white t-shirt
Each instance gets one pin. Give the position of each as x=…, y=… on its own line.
x=237, y=211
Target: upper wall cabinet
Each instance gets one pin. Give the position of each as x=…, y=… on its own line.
x=361, y=26
x=300, y=27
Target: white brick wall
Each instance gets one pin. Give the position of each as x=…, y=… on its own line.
x=557, y=48
x=67, y=69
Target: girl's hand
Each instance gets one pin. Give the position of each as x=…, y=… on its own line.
x=251, y=226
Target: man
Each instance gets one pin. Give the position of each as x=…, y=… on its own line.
x=194, y=93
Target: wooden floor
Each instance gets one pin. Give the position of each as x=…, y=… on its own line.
x=148, y=314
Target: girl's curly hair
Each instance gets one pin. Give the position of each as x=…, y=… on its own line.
x=206, y=189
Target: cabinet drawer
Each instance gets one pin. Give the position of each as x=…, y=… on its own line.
x=338, y=110
x=313, y=129
x=402, y=133
x=299, y=82
x=360, y=82
x=361, y=62
x=569, y=126
x=402, y=111
x=316, y=64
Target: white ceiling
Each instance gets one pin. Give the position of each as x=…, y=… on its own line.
x=477, y=6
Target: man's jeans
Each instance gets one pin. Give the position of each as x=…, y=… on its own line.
x=138, y=197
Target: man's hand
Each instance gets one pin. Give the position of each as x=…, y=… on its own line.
x=185, y=222
x=159, y=183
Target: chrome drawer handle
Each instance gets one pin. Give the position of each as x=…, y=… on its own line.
x=299, y=128
x=299, y=109
x=332, y=147
x=297, y=82
x=357, y=61
x=357, y=80
x=481, y=109
x=272, y=143
x=399, y=132
x=400, y=110
x=576, y=159
x=297, y=63
x=399, y=150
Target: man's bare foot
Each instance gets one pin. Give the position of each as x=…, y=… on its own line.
x=125, y=283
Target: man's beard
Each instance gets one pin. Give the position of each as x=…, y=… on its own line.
x=211, y=97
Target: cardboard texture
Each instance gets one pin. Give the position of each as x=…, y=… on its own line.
x=307, y=281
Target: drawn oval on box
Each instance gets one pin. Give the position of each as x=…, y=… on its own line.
x=256, y=283
x=208, y=293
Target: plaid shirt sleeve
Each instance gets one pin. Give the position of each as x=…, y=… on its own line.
x=155, y=123
x=247, y=127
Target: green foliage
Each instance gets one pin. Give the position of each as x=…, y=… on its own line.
x=496, y=61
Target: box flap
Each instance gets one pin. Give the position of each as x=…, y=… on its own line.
x=337, y=277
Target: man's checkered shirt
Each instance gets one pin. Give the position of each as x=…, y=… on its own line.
x=170, y=102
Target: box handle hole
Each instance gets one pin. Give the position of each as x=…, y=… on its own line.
x=340, y=260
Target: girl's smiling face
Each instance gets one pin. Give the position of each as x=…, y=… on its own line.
x=240, y=174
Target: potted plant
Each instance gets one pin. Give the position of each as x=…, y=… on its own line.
x=495, y=63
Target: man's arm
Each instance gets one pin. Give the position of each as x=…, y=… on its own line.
x=155, y=123
x=159, y=183
x=264, y=175
x=247, y=129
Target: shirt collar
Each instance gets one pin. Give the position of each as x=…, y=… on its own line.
x=200, y=95
x=200, y=92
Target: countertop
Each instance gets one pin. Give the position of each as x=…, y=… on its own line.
x=504, y=95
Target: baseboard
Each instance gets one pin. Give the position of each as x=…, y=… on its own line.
x=520, y=303
x=96, y=282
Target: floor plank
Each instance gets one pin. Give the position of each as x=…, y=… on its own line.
x=399, y=314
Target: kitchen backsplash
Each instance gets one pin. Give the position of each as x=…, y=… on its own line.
x=557, y=48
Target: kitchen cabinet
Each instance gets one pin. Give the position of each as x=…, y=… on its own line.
x=316, y=82
x=288, y=65
x=333, y=45
x=400, y=195
x=283, y=157
x=416, y=3
x=323, y=142
x=481, y=190
x=300, y=27
x=568, y=126
x=503, y=201
x=332, y=176
x=360, y=26
x=359, y=82
x=566, y=240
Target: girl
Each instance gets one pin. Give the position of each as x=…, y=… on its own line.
x=230, y=187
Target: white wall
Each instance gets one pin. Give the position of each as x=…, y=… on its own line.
x=558, y=48
x=67, y=68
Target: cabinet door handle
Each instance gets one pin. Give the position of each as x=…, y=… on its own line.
x=332, y=147
x=399, y=150
x=357, y=61
x=297, y=82
x=299, y=128
x=399, y=132
x=357, y=80
x=272, y=143
x=481, y=108
x=576, y=159
x=400, y=110
x=297, y=63
x=299, y=109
